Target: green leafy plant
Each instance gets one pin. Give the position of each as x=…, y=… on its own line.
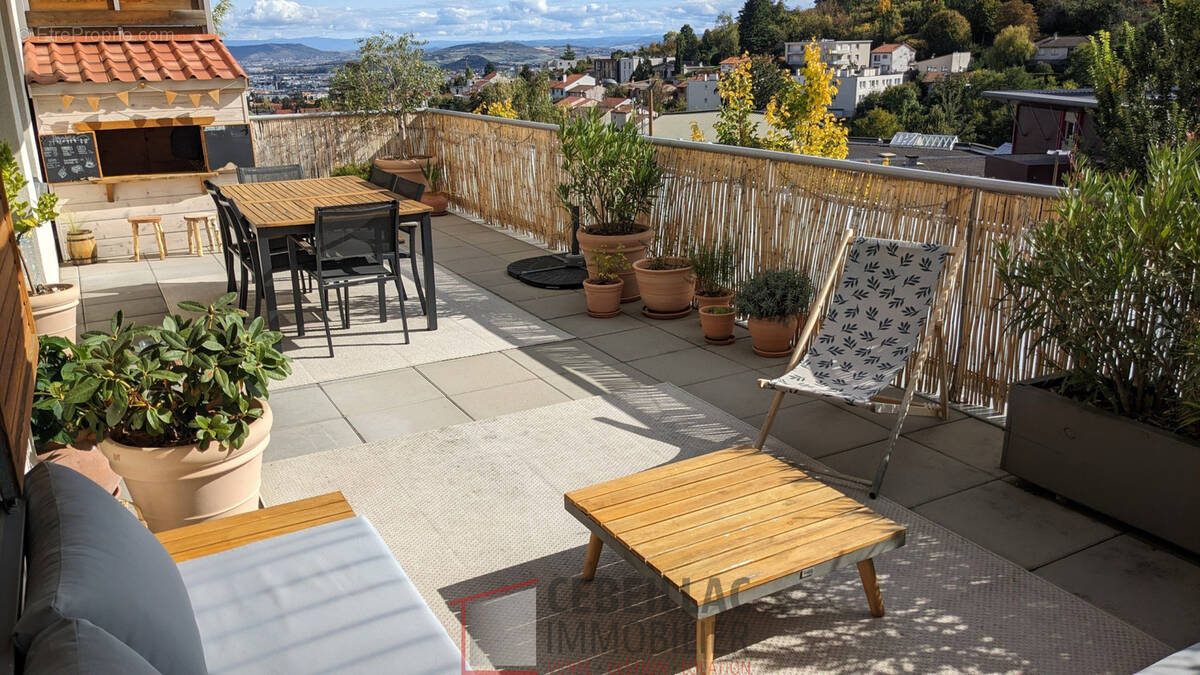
x=360, y=169
x=713, y=266
x=609, y=266
x=774, y=294
x=190, y=380
x=25, y=216
x=57, y=359
x=611, y=173
x=718, y=309
x=433, y=174
x=1112, y=284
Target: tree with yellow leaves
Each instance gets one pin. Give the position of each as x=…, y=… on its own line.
x=799, y=117
x=734, y=125
x=697, y=135
x=498, y=109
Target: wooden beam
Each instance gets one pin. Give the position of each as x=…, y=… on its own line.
x=144, y=123
x=108, y=18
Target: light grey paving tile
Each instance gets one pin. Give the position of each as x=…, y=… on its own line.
x=302, y=405
x=508, y=398
x=474, y=372
x=482, y=237
x=1028, y=529
x=739, y=395
x=742, y=352
x=578, y=369
x=972, y=441
x=133, y=288
x=689, y=329
x=307, y=438
x=1151, y=588
x=476, y=264
x=381, y=391
x=687, y=366
x=509, y=245
x=911, y=422
x=569, y=302
x=451, y=254
x=131, y=306
x=817, y=428
x=489, y=278
x=639, y=343
x=915, y=474
x=407, y=419
x=518, y=291
x=584, y=326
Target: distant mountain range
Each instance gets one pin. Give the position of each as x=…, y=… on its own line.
x=277, y=53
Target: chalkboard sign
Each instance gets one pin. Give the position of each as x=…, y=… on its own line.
x=70, y=157
x=227, y=143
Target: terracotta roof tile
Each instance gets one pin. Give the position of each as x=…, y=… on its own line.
x=52, y=59
x=887, y=48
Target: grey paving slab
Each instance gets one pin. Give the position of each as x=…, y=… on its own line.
x=1148, y=586
x=1025, y=528
x=552, y=307
x=381, y=391
x=475, y=264
x=578, y=369
x=639, y=343
x=307, y=438
x=489, y=278
x=302, y=405
x=972, y=441
x=739, y=395
x=584, y=326
x=130, y=306
x=407, y=419
x=742, y=352
x=817, y=428
x=911, y=422
x=915, y=473
x=474, y=372
x=688, y=366
x=516, y=291
x=508, y=398
x=451, y=254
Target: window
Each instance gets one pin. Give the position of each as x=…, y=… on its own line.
x=126, y=152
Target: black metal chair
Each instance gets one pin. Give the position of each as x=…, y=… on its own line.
x=245, y=249
x=350, y=246
x=229, y=246
x=263, y=174
x=384, y=179
x=411, y=190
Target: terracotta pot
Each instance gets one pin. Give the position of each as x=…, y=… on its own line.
x=632, y=245
x=54, y=312
x=438, y=201
x=81, y=246
x=703, y=301
x=409, y=168
x=603, y=300
x=82, y=456
x=666, y=291
x=716, y=327
x=178, y=486
x=773, y=337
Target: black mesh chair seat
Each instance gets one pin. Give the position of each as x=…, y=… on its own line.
x=264, y=174
x=384, y=179
x=335, y=270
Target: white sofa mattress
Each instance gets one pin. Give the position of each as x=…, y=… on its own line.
x=330, y=599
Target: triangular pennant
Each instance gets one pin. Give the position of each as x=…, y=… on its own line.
x=195, y=100
x=66, y=99
x=215, y=95
x=123, y=96
x=170, y=96
x=93, y=102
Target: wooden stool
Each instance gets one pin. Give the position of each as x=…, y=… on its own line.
x=156, y=221
x=194, y=221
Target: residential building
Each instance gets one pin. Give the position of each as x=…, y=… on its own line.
x=561, y=64
x=1056, y=49
x=934, y=69
x=620, y=70
x=570, y=84
x=893, y=58
x=839, y=54
x=576, y=104
x=481, y=82
x=702, y=93
x=855, y=85
x=1049, y=127
x=727, y=65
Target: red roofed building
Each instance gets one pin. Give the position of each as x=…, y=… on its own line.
x=573, y=85
x=893, y=58
x=727, y=65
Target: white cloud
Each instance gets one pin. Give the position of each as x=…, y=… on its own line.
x=279, y=12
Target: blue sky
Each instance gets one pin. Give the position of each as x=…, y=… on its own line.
x=470, y=21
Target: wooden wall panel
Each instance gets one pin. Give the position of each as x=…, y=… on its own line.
x=18, y=347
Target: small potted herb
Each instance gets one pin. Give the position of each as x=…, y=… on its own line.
x=603, y=290
x=773, y=302
x=435, y=194
x=717, y=323
x=180, y=410
x=712, y=265
x=81, y=242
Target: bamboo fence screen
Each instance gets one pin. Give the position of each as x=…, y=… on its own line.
x=775, y=210
x=320, y=141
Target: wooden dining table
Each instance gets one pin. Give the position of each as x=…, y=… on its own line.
x=278, y=209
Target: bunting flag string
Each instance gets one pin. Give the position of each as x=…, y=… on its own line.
x=215, y=95
x=195, y=100
x=66, y=100
x=169, y=94
x=123, y=96
x=93, y=103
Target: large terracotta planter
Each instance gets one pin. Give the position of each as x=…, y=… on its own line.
x=409, y=168
x=632, y=245
x=83, y=457
x=603, y=300
x=667, y=291
x=773, y=337
x=54, y=312
x=703, y=301
x=438, y=201
x=717, y=323
x=183, y=485
x=81, y=246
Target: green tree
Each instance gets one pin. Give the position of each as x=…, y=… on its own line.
x=888, y=22
x=1011, y=48
x=903, y=101
x=878, y=123
x=1079, y=65
x=734, y=125
x=767, y=79
x=720, y=41
x=568, y=53
x=220, y=12
x=947, y=31
x=758, y=32
x=980, y=14
x=489, y=68
x=1017, y=13
x=390, y=76
x=643, y=71
x=799, y=117
x=687, y=46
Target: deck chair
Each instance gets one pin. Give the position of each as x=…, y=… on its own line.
x=887, y=311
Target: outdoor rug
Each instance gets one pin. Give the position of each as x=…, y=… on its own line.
x=478, y=507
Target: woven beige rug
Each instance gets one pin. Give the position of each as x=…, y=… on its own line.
x=477, y=507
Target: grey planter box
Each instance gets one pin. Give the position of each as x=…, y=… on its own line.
x=1136, y=473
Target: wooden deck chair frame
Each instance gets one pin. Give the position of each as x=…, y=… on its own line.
x=933, y=338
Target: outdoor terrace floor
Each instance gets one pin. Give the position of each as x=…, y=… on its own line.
x=946, y=471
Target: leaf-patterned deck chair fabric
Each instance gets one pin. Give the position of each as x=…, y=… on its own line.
x=876, y=319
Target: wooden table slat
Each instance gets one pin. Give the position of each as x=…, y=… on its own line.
x=291, y=203
x=734, y=483
x=682, y=479
x=650, y=475
x=715, y=499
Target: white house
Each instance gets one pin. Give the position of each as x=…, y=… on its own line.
x=1056, y=49
x=854, y=86
x=727, y=65
x=702, y=93
x=841, y=54
x=932, y=70
x=570, y=84
x=893, y=58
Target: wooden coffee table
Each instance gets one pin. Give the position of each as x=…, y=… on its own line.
x=730, y=527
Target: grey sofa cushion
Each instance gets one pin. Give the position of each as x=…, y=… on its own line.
x=89, y=558
x=75, y=647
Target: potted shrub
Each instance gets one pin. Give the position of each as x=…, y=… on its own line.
x=435, y=194
x=53, y=304
x=774, y=301
x=712, y=266
x=613, y=177
x=1107, y=290
x=667, y=286
x=717, y=323
x=603, y=290
x=81, y=243
x=180, y=410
